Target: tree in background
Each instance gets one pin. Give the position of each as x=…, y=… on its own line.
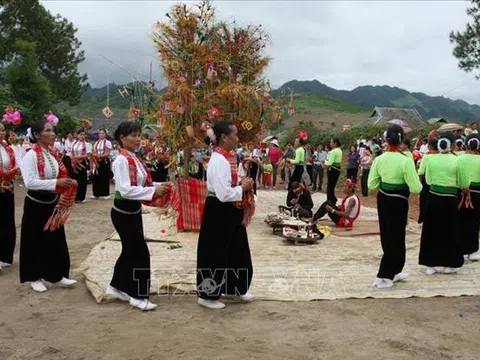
x=28, y=87
x=467, y=43
x=56, y=46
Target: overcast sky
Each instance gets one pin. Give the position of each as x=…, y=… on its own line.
x=342, y=44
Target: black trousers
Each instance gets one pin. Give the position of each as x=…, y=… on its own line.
x=365, y=173
x=132, y=269
x=352, y=174
x=469, y=224
x=322, y=210
x=392, y=207
x=440, y=244
x=423, y=199
x=224, y=264
x=296, y=175
x=67, y=161
x=43, y=254
x=101, y=180
x=332, y=177
x=310, y=172
x=81, y=177
x=8, y=233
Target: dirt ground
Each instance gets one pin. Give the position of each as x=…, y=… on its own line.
x=68, y=324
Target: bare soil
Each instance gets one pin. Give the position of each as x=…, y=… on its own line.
x=68, y=324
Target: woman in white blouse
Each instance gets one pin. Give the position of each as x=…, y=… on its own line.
x=44, y=256
x=224, y=264
x=102, y=173
x=81, y=150
x=8, y=170
x=131, y=277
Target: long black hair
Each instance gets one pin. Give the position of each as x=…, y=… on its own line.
x=222, y=128
x=36, y=128
x=126, y=128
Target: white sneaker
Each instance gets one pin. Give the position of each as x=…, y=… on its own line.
x=430, y=270
x=93, y=197
x=450, y=270
x=38, y=286
x=143, y=304
x=65, y=282
x=472, y=257
x=4, y=265
x=400, y=277
x=211, y=304
x=117, y=294
x=381, y=283
x=106, y=197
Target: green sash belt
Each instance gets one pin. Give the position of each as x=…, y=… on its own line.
x=444, y=189
x=393, y=187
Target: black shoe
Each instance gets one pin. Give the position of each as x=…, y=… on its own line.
x=318, y=232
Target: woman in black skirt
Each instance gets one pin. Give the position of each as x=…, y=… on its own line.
x=395, y=177
x=441, y=242
x=44, y=254
x=469, y=216
x=224, y=264
x=102, y=171
x=432, y=149
x=81, y=150
x=8, y=171
x=133, y=184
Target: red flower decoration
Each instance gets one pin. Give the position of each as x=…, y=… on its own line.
x=302, y=134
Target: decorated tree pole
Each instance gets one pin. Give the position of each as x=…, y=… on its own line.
x=215, y=72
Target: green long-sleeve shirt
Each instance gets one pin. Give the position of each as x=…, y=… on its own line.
x=394, y=169
x=447, y=171
x=471, y=163
x=335, y=157
x=424, y=162
x=299, y=156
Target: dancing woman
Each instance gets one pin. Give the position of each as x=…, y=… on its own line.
x=395, y=176
x=224, y=264
x=432, y=150
x=133, y=184
x=44, y=254
x=332, y=164
x=298, y=162
x=81, y=150
x=441, y=243
x=102, y=172
x=8, y=171
x=469, y=217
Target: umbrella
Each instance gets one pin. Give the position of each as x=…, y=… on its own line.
x=450, y=127
x=403, y=124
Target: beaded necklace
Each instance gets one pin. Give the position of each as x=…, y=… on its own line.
x=50, y=162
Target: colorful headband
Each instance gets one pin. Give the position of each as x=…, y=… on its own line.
x=350, y=184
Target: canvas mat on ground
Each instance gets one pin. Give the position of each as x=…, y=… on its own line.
x=334, y=268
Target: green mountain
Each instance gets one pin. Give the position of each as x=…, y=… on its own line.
x=387, y=96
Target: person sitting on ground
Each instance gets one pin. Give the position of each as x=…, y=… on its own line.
x=300, y=200
x=348, y=212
